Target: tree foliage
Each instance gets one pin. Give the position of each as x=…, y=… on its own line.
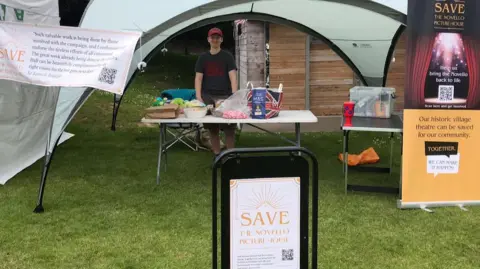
x=71, y=12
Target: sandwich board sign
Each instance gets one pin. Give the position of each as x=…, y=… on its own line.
x=265, y=223
x=265, y=212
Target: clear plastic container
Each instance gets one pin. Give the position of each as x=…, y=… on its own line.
x=374, y=102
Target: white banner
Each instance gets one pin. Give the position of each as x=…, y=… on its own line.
x=265, y=223
x=66, y=56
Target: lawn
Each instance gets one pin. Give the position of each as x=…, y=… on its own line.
x=104, y=210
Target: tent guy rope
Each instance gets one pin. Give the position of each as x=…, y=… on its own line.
x=141, y=65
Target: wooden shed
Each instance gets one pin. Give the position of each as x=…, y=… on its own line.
x=313, y=75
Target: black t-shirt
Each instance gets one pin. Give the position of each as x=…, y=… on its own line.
x=215, y=70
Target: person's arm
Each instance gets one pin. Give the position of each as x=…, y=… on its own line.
x=199, y=78
x=198, y=86
x=232, y=73
x=233, y=80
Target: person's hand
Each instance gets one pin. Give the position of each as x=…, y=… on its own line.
x=199, y=98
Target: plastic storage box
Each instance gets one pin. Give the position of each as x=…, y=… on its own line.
x=374, y=102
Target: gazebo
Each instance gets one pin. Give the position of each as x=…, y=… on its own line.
x=362, y=32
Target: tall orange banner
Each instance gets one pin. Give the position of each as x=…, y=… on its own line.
x=441, y=148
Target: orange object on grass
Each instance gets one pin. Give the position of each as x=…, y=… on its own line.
x=368, y=156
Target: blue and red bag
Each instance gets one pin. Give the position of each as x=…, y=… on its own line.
x=265, y=103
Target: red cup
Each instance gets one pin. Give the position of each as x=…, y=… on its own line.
x=348, y=111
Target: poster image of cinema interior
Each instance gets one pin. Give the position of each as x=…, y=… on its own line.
x=443, y=58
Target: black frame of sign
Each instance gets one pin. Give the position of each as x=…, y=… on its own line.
x=248, y=163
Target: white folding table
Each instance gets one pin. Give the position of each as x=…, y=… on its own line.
x=286, y=116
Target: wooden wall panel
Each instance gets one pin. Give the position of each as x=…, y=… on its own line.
x=287, y=64
x=330, y=80
x=328, y=100
x=330, y=77
x=396, y=72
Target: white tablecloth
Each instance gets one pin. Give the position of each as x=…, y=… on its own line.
x=285, y=116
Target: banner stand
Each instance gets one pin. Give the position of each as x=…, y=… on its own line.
x=441, y=105
x=264, y=202
x=426, y=205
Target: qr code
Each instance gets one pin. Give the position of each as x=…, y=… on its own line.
x=287, y=254
x=107, y=75
x=445, y=93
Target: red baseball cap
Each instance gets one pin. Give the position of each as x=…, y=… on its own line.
x=215, y=31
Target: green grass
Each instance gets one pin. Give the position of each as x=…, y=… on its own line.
x=104, y=210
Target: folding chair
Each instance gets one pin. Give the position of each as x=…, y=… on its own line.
x=181, y=131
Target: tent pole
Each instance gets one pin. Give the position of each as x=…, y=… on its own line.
x=48, y=157
x=116, y=106
x=48, y=160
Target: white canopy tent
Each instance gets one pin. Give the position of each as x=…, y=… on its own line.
x=362, y=32
x=27, y=112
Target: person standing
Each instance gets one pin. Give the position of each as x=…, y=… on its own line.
x=216, y=79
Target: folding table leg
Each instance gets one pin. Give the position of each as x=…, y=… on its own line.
x=391, y=152
x=345, y=158
x=343, y=151
x=179, y=137
x=160, y=152
x=297, y=134
x=164, y=135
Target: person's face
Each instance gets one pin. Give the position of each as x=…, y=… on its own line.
x=215, y=41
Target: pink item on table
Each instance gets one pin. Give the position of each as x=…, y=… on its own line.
x=232, y=114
